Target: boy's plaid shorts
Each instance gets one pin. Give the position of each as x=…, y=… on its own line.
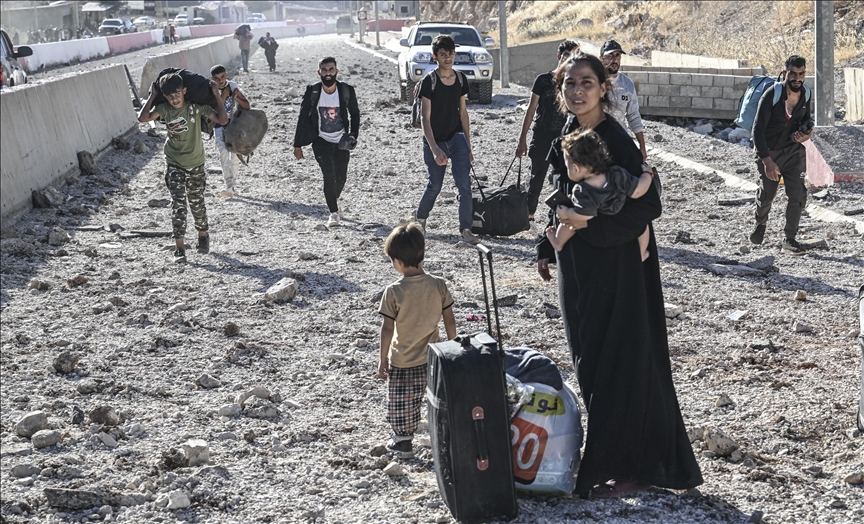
x=405, y=392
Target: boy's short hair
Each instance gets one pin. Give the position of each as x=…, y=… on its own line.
x=170, y=83
x=217, y=69
x=795, y=61
x=586, y=148
x=327, y=60
x=443, y=42
x=568, y=45
x=407, y=244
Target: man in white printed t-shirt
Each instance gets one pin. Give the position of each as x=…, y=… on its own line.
x=623, y=102
x=329, y=120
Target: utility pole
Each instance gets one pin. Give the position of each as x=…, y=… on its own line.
x=824, y=62
x=502, y=38
x=377, y=34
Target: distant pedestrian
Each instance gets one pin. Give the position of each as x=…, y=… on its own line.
x=166, y=34
x=779, y=133
x=623, y=101
x=329, y=117
x=548, y=120
x=15, y=38
x=269, y=45
x=244, y=35
x=173, y=34
x=412, y=307
x=184, y=155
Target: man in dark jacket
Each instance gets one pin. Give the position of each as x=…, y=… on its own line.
x=269, y=45
x=324, y=122
x=779, y=131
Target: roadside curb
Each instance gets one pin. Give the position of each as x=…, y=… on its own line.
x=815, y=212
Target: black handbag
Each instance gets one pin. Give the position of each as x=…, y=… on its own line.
x=500, y=211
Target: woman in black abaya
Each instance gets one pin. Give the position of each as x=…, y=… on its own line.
x=612, y=306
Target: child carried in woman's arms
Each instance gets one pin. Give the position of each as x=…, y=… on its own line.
x=601, y=188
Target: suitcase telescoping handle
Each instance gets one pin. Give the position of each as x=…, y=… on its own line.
x=487, y=253
x=480, y=432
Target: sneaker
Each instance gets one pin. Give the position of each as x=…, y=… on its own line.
x=792, y=247
x=758, y=234
x=422, y=223
x=179, y=256
x=227, y=193
x=470, y=237
x=333, y=220
x=532, y=226
x=204, y=244
x=401, y=448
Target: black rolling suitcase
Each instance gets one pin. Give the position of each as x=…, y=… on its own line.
x=469, y=423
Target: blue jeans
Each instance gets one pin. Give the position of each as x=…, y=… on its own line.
x=457, y=151
x=244, y=57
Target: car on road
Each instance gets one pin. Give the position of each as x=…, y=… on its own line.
x=145, y=21
x=11, y=72
x=198, y=21
x=344, y=24
x=472, y=59
x=116, y=26
x=181, y=19
x=256, y=17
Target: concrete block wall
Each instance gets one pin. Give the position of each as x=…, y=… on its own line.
x=854, y=78
x=667, y=59
x=736, y=71
x=37, y=151
x=690, y=95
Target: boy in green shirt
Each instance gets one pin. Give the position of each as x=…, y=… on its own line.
x=184, y=154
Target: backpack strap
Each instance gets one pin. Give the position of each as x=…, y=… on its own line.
x=778, y=91
x=343, y=91
x=433, y=79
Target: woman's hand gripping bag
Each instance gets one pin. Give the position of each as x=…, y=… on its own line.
x=546, y=436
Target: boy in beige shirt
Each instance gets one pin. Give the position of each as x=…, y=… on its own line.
x=412, y=308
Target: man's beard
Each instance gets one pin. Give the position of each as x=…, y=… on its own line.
x=328, y=80
x=612, y=70
x=794, y=88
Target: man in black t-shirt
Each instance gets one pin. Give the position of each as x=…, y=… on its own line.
x=446, y=135
x=548, y=121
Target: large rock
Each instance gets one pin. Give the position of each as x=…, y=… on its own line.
x=283, y=291
x=197, y=452
x=719, y=442
x=178, y=499
x=104, y=415
x=48, y=197
x=65, y=362
x=86, y=163
x=24, y=470
x=58, y=236
x=31, y=423
x=75, y=499
x=45, y=438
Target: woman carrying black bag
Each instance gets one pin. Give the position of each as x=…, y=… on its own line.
x=612, y=307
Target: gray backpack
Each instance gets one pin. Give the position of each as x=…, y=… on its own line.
x=416, y=109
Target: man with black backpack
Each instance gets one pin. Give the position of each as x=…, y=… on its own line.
x=324, y=122
x=446, y=137
x=782, y=124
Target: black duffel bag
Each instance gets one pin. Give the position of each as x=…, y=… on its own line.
x=198, y=89
x=500, y=211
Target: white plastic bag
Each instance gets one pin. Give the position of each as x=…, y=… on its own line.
x=546, y=437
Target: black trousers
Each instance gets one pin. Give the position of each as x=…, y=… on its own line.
x=271, y=59
x=334, y=166
x=539, y=168
x=792, y=161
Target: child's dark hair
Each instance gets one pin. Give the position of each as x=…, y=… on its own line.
x=586, y=148
x=169, y=84
x=596, y=66
x=217, y=69
x=407, y=244
x=326, y=60
x=443, y=42
x=568, y=45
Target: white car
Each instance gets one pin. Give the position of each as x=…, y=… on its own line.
x=472, y=59
x=144, y=21
x=256, y=17
x=181, y=19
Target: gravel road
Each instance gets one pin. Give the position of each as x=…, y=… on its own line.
x=764, y=353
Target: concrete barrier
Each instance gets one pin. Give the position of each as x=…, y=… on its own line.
x=854, y=78
x=735, y=71
x=55, y=53
x=128, y=42
x=529, y=60
x=46, y=124
x=667, y=59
